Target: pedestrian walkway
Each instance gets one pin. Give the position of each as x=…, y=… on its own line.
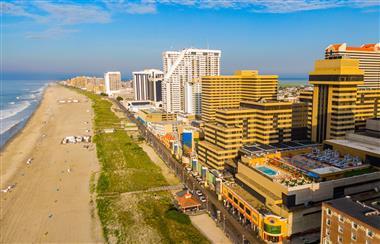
x=155, y=189
x=208, y=227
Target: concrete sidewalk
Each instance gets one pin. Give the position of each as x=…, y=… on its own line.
x=208, y=227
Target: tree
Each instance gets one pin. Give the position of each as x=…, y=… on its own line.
x=119, y=98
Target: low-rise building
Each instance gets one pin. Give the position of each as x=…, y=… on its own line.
x=363, y=144
x=352, y=219
x=278, y=192
x=155, y=115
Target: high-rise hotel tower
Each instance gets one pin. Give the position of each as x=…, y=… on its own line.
x=181, y=89
x=227, y=91
x=369, y=60
x=147, y=85
x=334, y=97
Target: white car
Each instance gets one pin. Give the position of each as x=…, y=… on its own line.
x=199, y=192
x=203, y=199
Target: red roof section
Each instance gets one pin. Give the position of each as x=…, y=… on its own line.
x=169, y=137
x=365, y=47
x=188, y=201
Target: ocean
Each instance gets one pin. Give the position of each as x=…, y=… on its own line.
x=18, y=100
x=292, y=81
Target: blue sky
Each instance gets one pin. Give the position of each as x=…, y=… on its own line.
x=59, y=39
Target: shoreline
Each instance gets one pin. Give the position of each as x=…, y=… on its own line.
x=25, y=121
x=52, y=193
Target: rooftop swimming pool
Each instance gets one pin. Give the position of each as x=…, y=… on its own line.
x=268, y=171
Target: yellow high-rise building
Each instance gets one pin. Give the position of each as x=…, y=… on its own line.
x=221, y=92
x=367, y=106
x=334, y=97
x=254, y=122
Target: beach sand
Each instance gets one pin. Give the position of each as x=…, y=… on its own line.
x=51, y=201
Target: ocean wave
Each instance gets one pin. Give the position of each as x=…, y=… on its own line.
x=9, y=125
x=13, y=110
x=39, y=90
x=29, y=96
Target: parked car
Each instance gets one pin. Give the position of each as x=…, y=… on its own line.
x=199, y=192
x=188, y=169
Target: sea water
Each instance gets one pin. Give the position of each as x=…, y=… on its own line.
x=18, y=100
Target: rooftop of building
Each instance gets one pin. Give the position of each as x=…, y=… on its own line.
x=367, y=140
x=266, y=102
x=258, y=148
x=193, y=50
x=299, y=165
x=356, y=144
x=371, y=47
x=243, y=74
x=186, y=200
x=153, y=111
x=248, y=198
x=148, y=71
x=364, y=207
x=342, y=66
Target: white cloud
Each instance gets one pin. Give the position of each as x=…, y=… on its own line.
x=136, y=7
x=56, y=16
x=15, y=10
x=273, y=6
x=52, y=33
x=71, y=14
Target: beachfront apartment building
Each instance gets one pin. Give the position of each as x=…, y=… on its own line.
x=112, y=81
x=88, y=83
x=227, y=91
x=181, y=88
x=352, y=219
x=263, y=121
x=147, y=85
x=368, y=56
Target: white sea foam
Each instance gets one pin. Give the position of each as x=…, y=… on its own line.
x=5, y=126
x=14, y=109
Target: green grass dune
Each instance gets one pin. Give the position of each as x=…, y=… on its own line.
x=125, y=167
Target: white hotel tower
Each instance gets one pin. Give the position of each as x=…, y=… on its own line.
x=181, y=89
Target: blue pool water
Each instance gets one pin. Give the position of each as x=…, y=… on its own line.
x=267, y=171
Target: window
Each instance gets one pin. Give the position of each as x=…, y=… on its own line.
x=241, y=205
x=328, y=222
x=328, y=211
x=248, y=211
x=327, y=232
x=341, y=219
x=340, y=239
x=354, y=225
x=353, y=236
x=340, y=229
x=235, y=200
x=369, y=233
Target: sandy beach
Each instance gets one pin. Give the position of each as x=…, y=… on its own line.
x=51, y=198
